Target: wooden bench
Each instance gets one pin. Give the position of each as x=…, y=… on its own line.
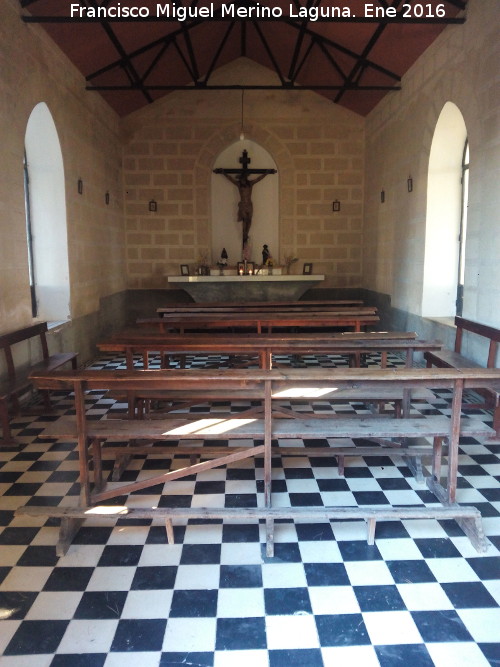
x=354, y=344
x=17, y=381
x=258, y=307
x=390, y=435
x=72, y=518
x=266, y=321
x=92, y=434
x=282, y=306
x=455, y=359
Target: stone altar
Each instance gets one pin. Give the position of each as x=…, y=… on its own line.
x=246, y=288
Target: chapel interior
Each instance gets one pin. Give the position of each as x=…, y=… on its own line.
x=381, y=143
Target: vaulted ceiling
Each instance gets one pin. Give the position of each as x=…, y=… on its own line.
x=352, y=60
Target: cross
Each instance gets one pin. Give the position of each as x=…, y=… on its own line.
x=244, y=185
x=244, y=160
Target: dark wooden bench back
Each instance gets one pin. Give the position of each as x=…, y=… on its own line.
x=481, y=330
x=9, y=339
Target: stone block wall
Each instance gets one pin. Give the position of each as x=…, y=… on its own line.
x=169, y=152
x=34, y=70
x=461, y=66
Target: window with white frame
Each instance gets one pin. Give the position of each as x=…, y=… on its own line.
x=46, y=218
x=445, y=216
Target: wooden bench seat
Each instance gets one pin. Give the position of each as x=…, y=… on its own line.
x=17, y=381
x=262, y=347
x=455, y=359
x=179, y=399
x=282, y=306
x=357, y=319
x=450, y=359
x=234, y=427
x=391, y=435
x=267, y=435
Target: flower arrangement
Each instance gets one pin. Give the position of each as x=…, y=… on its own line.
x=269, y=261
x=288, y=260
x=222, y=261
x=203, y=263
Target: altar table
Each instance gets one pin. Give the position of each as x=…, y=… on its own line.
x=246, y=288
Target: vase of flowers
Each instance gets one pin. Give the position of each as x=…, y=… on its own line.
x=288, y=261
x=203, y=264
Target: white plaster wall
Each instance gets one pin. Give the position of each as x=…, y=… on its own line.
x=462, y=66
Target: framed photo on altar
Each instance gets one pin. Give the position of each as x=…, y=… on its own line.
x=308, y=269
x=184, y=270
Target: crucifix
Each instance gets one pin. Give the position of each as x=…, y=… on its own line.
x=244, y=185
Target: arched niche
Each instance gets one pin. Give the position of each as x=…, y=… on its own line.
x=226, y=230
x=48, y=215
x=444, y=201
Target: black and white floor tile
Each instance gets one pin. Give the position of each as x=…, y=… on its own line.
x=122, y=596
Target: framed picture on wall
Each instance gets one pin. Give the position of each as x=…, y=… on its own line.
x=184, y=270
x=308, y=269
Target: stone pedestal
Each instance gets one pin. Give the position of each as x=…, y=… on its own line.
x=246, y=288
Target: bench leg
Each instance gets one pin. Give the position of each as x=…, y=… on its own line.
x=97, y=463
x=496, y=420
x=121, y=463
x=414, y=463
x=341, y=464
x=169, y=527
x=46, y=400
x=473, y=528
x=4, y=418
x=437, y=458
x=371, y=524
x=68, y=529
x=270, y=537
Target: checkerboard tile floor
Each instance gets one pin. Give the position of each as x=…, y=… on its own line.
x=122, y=596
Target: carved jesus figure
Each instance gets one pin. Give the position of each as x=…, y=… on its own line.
x=245, y=206
x=245, y=185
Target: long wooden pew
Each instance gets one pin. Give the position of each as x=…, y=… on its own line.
x=259, y=306
x=133, y=342
x=142, y=341
x=329, y=319
x=91, y=435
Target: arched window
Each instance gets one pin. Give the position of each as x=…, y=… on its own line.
x=46, y=218
x=445, y=223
